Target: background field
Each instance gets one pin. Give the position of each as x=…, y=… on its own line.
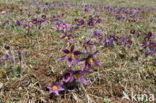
x=122, y=68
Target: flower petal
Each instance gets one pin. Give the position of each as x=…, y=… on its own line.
x=77, y=52
x=72, y=48
x=56, y=92
x=66, y=51
x=96, y=62
x=82, y=80
x=62, y=58
x=69, y=62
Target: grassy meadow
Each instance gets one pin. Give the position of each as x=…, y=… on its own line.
x=117, y=40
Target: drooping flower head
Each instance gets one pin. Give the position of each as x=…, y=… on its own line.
x=18, y=22
x=5, y=23
x=78, y=75
x=87, y=44
x=55, y=87
x=5, y=57
x=7, y=47
x=90, y=21
x=89, y=61
x=30, y=14
x=67, y=37
x=97, y=34
x=43, y=16
x=26, y=26
x=67, y=76
x=79, y=22
x=70, y=56
x=133, y=31
x=154, y=61
x=110, y=39
x=62, y=26
x=148, y=36
x=126, y=41
x=71, y=75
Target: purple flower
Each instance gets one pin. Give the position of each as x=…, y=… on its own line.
x=79, y=22
x=85, y=10
x=30, y=14
x=97, y=33
x=149, y=47
x=119, y=17
x=154, y=61
x=71, y=75
x=43, y=16
x=78, y=75
x=67, y=37
x=26, y=26
x=5, y=57
x=67, y=76
x=62, y=26
x=110, y=39
x=97, y=19
x=37, y=21
x=18, y=22
x=132, y=31
x=87, y=44
x=6, y=47
x=148, y=36
x=55, y=88
x=148, y=51
x=126, y=41
x=90, y=21
x=89, y=61
x=5, y=22
x=70, y=56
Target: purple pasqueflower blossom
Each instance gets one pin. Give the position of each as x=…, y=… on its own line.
x=5, y=22
x=85, y=9
x=87, y=44
x=148, y=44
x=67, y=76
x=71, y=75
x=110, y=39
x=70, y=56
x=97, y=33
x=149, y=47
x=148, y=36
x=126, y=41
x=26, y=26
x=97, y=19
x=62, y=26
x=89, y=61
x=55, y=87
x=18, y=22
x=119, y=17
x=7, y=47
x=79, y=22
x=43, y=16
x=37, y=21
x=90, y=21
x=148, y=51
x=67, y=37
x=133, y=31
x=154, y=61
x=30, y=14
x=5, y=57
x=78, y=75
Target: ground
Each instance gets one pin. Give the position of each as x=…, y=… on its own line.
x=25, y=77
